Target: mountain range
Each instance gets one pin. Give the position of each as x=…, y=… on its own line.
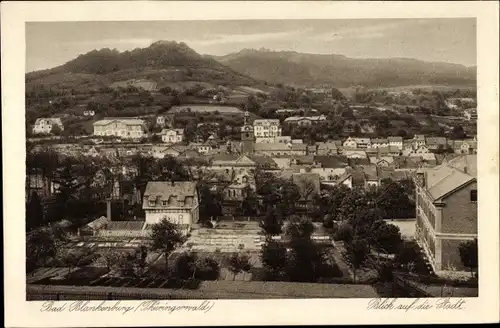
x=170, y=62
x=290, y=67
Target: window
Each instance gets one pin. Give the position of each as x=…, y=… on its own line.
x=164, y=203
x=151, y=203
x=473, y=195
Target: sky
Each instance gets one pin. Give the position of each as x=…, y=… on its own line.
x=452, y=40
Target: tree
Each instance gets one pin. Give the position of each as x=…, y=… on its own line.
x=356, y=254
x=34, y=212
x=345, y=233
x=40, y=246
x=409, y=257
x=237, y=263
x=305, y=260
x=72, y=258
x=56, y=130
x=299, y=227
x=386, y=237
x=274, y=259
x=110, y=258
x=458, y=132
x=469, y=254
x=337, y=95
x=165, y=237
x=272, y=223
x=250, y=204
x=210, y=203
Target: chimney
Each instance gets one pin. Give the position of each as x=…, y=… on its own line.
x=108, y=208
x=465, y=169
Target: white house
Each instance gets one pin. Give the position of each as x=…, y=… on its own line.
x=45, y=125
x=350, y=143
x=396, y=142
x=362, y=142
x=130, y=128
x=172, y=135
x=379, y=142
x=267, y=128
x=175, y=201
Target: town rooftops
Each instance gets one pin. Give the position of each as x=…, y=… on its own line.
x=435, y=141
x=379, y=140
x=362, y=140
x=331, y=161
x=126, y=121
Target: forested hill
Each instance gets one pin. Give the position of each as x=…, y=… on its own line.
x=161, y=62
x=303, y=69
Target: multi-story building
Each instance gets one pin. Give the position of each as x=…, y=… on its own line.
x=267, y=128
x=129, y=128
x=446, y=207
x=172, y=135
x=396, y=141
x=305, y=120
x=175, y=201
x=379, y=142
x=350, y=143
x=45, y=125
x=362, y=142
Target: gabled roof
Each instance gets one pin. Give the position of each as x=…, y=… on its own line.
x=331, y=161
x=443, y=179
x=304, y=159
x=166, y=189
x=435, y=141
x=327, y=145
x=395, y=139
x=52, y=120
x=379, y=140
x=126, y=121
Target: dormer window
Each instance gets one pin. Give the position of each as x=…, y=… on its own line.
x=164, y=203
x=151, y=203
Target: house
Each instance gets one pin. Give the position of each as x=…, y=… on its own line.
x=354, y=153
x=267, y=128
x=446, y=207
x=350, y=143
x=172, y=135
x=379, y=142
x=418, y=140
x=279, y=149
x=329, y=168
x=371, y=178
x=389, y=151
x=436, y=143
x=465, y=146
x=326, y=148
x=305, y=120
x=470, y=114
x=132, y=128
x=45, y=125
x=396, y=142
x=176, y=201
x=280, y=139
x=311, y=150
x=382, y=161
x=362, y=143
x=239, y=169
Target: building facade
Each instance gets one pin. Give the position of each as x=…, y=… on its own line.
x=176, y=201
x=446, y=208
x=45, y=125
x=128, y=128
x=267, y=128
x=172, y=135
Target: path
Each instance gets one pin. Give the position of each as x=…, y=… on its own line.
x=346, y=271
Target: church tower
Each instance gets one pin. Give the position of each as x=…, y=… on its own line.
x=247, y=136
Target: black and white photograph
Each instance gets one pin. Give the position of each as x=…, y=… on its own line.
x=252, y=159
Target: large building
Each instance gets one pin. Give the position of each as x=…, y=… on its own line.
x=176, y=201
x=267, y=128
x=130, y=128
x=172, y=135
x=247, y=136
x=446, y=208
x=46, y=125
